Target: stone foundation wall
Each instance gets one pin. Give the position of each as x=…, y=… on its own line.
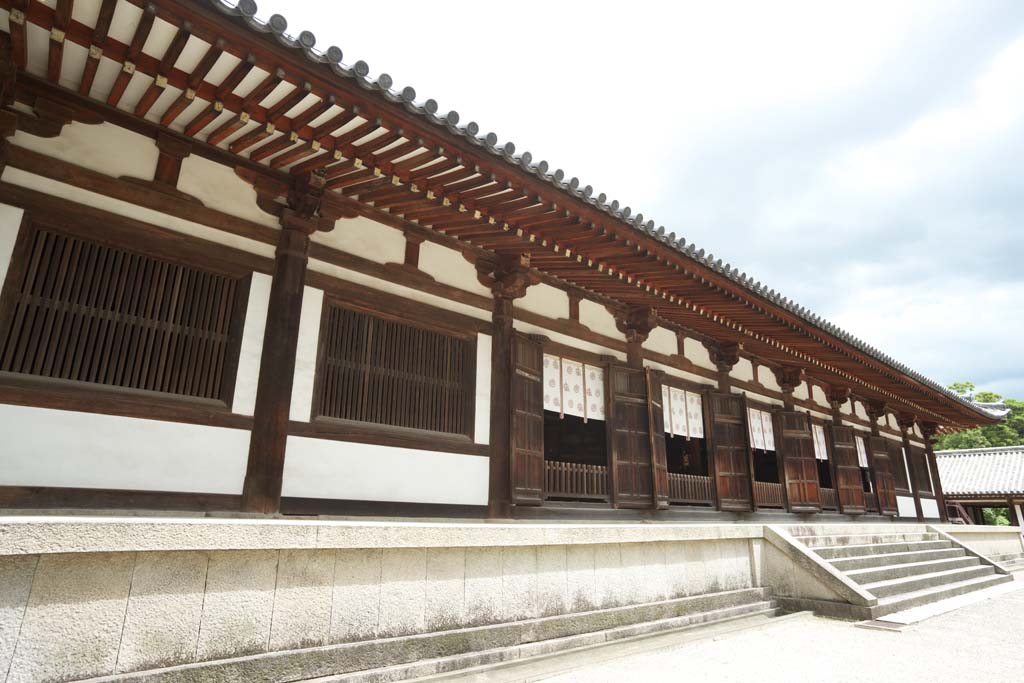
x=988, y=540
x=76, y=603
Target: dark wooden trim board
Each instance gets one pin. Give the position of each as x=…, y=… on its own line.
x=371, y=508
x=54, y=498
x=41, y=392
x=384, y=435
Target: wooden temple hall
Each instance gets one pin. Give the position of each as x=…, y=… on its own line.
x=239, y=275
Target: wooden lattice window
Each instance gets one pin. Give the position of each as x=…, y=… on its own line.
x=82, y=311
x=383, y=371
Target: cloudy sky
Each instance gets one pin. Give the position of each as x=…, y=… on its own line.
x=865, y=159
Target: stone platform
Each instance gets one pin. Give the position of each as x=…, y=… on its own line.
x=193, y=599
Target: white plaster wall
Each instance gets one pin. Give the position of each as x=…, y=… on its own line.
x=767, y=378
x=697, y=354
x=930, y=508
x=545, y=300
x=757, y=397
x=116, y=206
x=597, y=318
x=447, y=266
x=305, y=354
x=91, y=146
x=818, y=395
x=218, y=187
x=392, y=288
x=529, y=328
x=10, y=221
x=905, y=506
x=367, y=238
x=252, y=345
x=675, y=372
x=801, y=392
x=743, y=370
x=482, y=412
x=43, y=447
x=340, y=470
x=661, y=340
x=846, y=408
x=860, y=411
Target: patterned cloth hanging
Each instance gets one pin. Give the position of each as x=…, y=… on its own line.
x=759, y=426
x=684, y=412
x=573, y=388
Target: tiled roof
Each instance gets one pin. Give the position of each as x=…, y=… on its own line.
x=277, y=26
x=982, y=471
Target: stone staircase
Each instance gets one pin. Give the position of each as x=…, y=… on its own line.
x=1012, y=561
x=903, y=566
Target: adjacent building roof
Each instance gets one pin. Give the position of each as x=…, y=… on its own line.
x=982, y=471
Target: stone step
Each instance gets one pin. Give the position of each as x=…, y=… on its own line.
x=898, y=603
x=847, y=564
x=899, y=571
x=843, y=551
x=866, y=539
x=911, y=584
x=489, y=661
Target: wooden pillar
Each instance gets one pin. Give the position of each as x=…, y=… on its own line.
x=906, y=424
x=508, y=277
x=263, y=476
x=168, y=165
x=301, y=217
x=636, y=324
x=1012, y=512
x=929, y=430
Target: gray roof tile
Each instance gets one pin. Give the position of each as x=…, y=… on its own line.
x=982, y=471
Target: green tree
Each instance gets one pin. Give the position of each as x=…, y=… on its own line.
x=1009, y=432
x=996, y=516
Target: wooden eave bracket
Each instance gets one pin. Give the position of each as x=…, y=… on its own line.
x=507, y=275
x=305, y=197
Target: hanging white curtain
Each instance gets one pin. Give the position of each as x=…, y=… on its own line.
x=759, y=425
x=820, y=449
x=573, y=388
x=684, y=414
x=862, y=452
x=755, y=428
x=769, y=430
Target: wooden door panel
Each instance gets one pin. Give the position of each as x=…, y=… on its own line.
x=849, y=487
x=800, y=467
x=630, y=438
x=527, y=435
x=656, y=422
x=729, y=455
x=885, y=482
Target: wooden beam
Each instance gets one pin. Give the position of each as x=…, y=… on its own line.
x=159, y=84
x=124, y=77
x=19, y=35
x=99, y=40
x=61, y=19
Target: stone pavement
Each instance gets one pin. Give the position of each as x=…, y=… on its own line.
x=983, y=641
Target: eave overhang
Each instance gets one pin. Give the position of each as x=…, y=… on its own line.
x=397, y=157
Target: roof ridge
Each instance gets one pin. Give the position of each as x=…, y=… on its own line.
x=980, y=451
x=306, y=41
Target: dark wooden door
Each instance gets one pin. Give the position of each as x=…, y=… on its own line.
x=630, y=438
x=849, y=487
x=800, y=467
x=919, y=468
x=656, y=426
x=729, y=455
x=885, y=483
x=527, y=421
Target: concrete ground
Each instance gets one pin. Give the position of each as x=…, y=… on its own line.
x=982, y=641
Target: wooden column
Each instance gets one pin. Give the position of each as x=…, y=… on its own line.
x=306, y=211
x=929, y=429
x=508, y=278
x=173, y=151
x=636, y=324
x=906, y=423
